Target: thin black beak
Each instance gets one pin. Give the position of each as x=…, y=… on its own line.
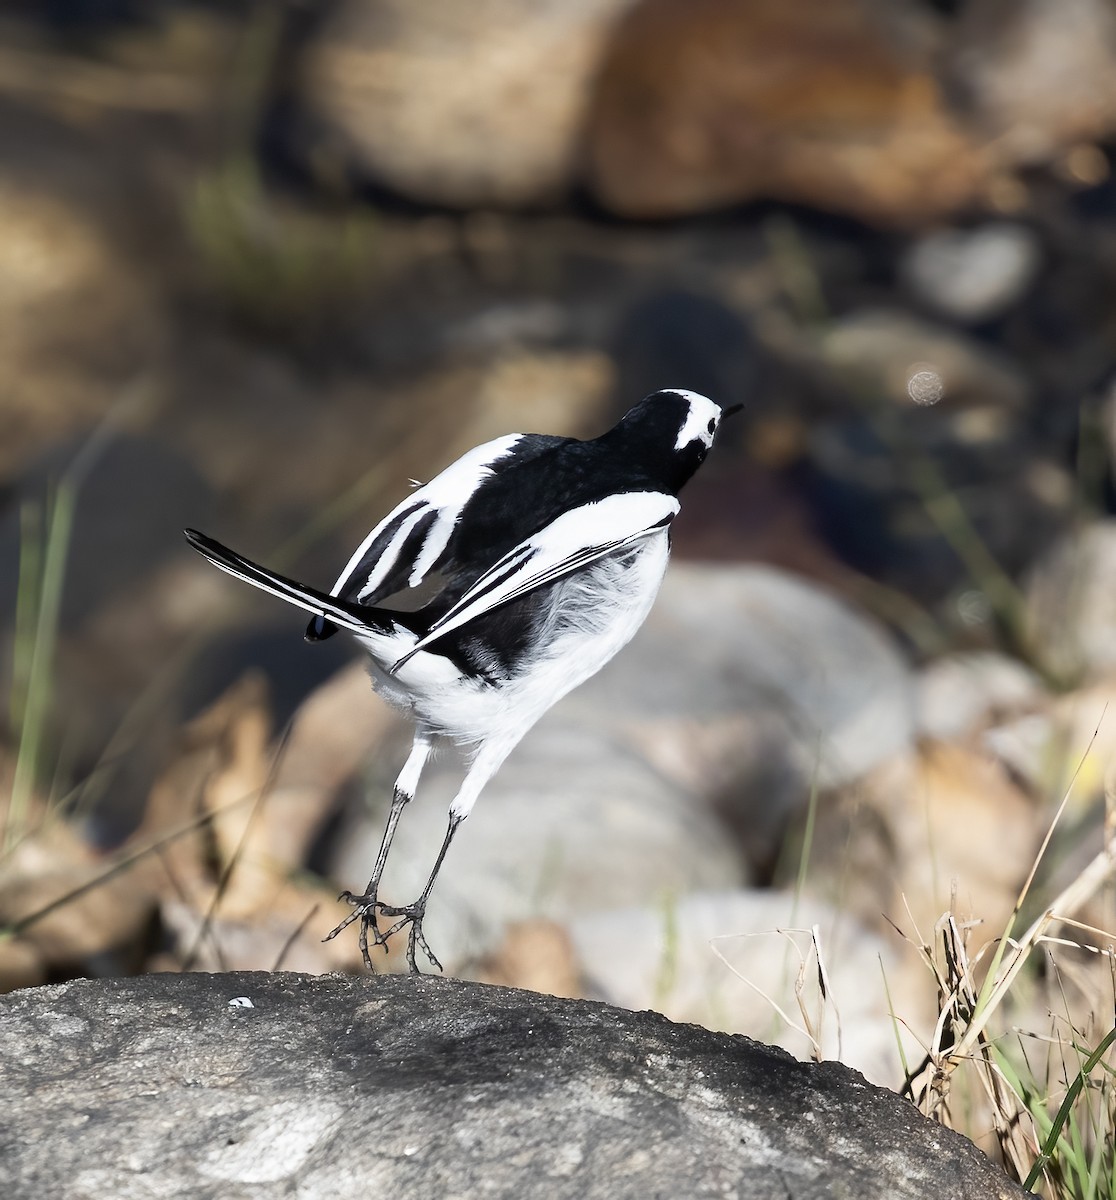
x=731, y=410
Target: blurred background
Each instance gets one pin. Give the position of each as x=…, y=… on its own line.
x=263, y=263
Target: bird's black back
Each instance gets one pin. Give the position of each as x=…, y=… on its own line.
x=540, y=478
x=545, y=476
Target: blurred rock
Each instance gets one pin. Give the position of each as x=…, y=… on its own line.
x=1040, y=78
x=724, y=642
x=1071, y=603
x=537, y=955
x=77, y=321
x=830, y=103
x=892, y=455
x=573, y=820
x=744, y=688
x=753, y=686
x=973, y=275
x=749, y=687
x=724, y=959
x=91, y=921
x=960, y=694
x=878, y=350
x=332, y=735
x=454, y=106
x=1065, y=749
x=963, y=838
x=285, y=931
x=231, y=892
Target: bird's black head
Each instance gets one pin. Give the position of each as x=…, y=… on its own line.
x=673, y=430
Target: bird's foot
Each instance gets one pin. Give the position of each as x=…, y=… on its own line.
x=412, y=915
x=365, y=909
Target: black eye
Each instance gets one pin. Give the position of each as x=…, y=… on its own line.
x=712, y=425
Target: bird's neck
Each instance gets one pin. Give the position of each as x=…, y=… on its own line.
x=652, y=456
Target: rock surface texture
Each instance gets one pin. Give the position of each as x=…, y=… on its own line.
x=253, y=1085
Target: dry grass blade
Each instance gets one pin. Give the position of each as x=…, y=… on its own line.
x=295, y=934
x=1031, y=1142
x=234, y=859
x=811, y=1026
x=118, y=866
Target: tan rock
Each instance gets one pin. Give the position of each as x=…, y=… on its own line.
x=1041, y=77
x=463, y=105
x=964, y=836
x=537, y=955
x=63, y=902
x=75, y=319
x=830, y=103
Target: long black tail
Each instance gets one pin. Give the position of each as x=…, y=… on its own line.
x=354, y=617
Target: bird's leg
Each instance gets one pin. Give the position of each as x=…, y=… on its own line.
x=412, y=914
x=483, y=767
x=366, y=905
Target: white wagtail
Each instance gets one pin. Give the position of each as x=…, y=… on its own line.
x=545, y=553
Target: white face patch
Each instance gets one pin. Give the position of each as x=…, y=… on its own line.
x=701, y=421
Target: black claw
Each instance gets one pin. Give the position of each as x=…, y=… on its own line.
x=364, y=910
x=416, y=934
x=367, y=908
x=412, y=915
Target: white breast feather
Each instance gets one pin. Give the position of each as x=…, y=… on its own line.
x=595, y=613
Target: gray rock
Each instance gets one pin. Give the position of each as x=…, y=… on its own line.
x=254, y=1085
x=1040, y=78
x=880, y=350
x=962, y=692
x=755, y=640
x=1071, y=603
x=973, y=274
x=744, y=687
x=574, y=820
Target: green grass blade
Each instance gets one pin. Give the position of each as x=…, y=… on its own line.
x=40, y=664
x=1050, y=1142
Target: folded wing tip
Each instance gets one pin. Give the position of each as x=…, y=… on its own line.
x=402, y=662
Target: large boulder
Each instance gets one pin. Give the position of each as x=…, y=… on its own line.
x=254, y=1085
x=830, y=103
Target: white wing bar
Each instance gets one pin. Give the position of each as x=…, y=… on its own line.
x=447, y=494
x=573, y=540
